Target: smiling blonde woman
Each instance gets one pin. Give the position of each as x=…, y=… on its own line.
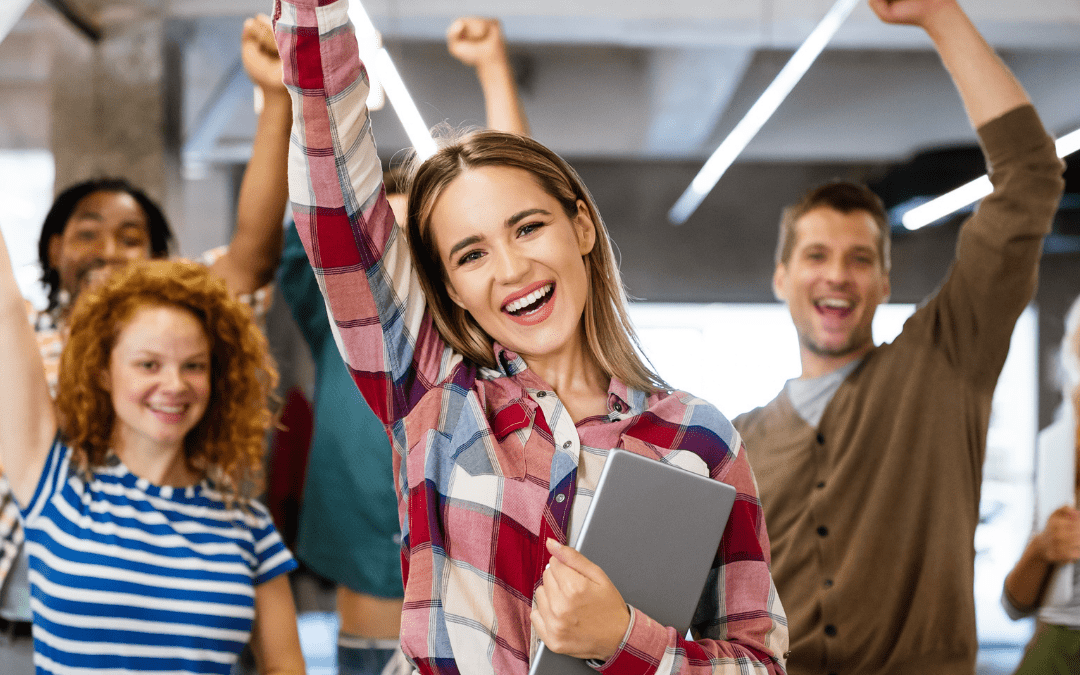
x=490, y=337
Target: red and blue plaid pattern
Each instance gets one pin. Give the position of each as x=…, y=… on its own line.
x=488, y=462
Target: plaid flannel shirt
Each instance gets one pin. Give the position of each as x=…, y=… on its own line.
x=488, y=463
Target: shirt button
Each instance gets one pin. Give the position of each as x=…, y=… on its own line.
x=560, y=498
x=822, y=531
x=821, y=439
x=567, y=445
x=828, y=583
x=830, y=630
x=820, y=485
x=541, y=394
x=618, y=407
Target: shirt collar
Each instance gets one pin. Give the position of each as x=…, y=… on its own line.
x=624, y=401
x=507, y=363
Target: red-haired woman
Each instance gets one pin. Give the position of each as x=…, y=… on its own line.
x=146, y=551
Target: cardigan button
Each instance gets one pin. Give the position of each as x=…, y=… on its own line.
x=822, y=531
x=821, y=438
x=560, y=498
x=566, y=445
x=830, y=630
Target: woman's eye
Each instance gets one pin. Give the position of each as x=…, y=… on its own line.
x=469, y=257
x=529, y=228
x=147, y=365
x=198, y=367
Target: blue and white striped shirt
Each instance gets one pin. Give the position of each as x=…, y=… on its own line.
x=128, y=577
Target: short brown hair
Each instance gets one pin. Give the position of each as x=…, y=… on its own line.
x=609, y=335
x=226, y=446
x=840, y=196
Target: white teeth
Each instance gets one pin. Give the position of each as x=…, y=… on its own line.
x=835, y=303
x=170, y=409
x=529, y=299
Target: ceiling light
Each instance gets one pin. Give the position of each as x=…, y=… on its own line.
x=969, y=193
x=760, y=112
x=381, y=66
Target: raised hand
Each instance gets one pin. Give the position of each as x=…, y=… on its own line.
x=577, y=610
x=1059, y=542
x=258, y=50
x=911, y=12
x=476, y=40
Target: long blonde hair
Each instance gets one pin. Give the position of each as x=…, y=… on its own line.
x=609, y=334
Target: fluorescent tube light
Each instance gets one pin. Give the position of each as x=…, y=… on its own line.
x=1068, y=144
x=969, y=193
x=760, y=112
x=380, y=66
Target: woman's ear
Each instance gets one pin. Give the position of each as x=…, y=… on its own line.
x=584, y=228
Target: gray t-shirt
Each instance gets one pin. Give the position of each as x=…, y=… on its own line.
x=810, y=397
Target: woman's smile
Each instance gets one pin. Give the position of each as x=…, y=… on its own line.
x=533, y=305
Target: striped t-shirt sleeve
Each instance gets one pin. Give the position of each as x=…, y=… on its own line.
x=272, y=558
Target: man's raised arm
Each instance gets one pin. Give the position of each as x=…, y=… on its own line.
x=986, y=85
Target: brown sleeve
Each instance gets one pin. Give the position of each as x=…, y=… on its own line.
x=971, y=318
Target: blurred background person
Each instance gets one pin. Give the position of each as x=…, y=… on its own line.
x=1055, y=647
x=872, y=459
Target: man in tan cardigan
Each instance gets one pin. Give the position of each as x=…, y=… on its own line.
x=870, y=464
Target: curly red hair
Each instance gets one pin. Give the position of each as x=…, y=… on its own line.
x=226, y=446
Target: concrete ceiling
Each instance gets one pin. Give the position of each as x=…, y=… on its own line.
x=599, y=78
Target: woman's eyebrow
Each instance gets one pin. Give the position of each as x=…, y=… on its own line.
x=520, y=215
x=467, y=241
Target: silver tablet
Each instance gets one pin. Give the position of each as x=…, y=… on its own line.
x=654, y=529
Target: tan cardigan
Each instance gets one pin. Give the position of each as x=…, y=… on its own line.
x=872, y=515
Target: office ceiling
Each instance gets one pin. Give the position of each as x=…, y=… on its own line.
x=599, y=78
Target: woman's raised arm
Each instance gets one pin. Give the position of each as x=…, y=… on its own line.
x=29, y=420
x=360, y=256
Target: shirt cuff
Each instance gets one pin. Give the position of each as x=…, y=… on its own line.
x=641, y=650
